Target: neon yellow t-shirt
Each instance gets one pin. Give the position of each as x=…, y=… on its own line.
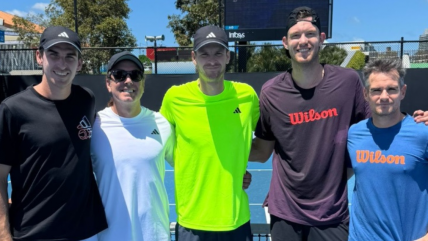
x=214, y=135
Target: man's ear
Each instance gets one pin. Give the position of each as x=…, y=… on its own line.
x=108, y=85
x=322, y=37
x=366, y=94
x=194, y=57
x=284, y=42
x=403, y=91
x=39, y=57
x=79, y=64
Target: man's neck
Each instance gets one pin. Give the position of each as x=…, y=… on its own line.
x=211, y=87
x=388, y=120
x=307, y=76
x=52, y=92
x=126, y=110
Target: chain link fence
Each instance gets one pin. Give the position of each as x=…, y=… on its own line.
x=15, y=59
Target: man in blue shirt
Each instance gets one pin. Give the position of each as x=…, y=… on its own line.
x=390, y=160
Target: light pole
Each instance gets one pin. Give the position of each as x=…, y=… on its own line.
x=75, y=17
x=154, y=39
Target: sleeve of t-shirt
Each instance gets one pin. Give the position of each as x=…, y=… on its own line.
x=165, y=109
x=361, y=108
x=256, y=111
x=263, y=128
x=7, y=136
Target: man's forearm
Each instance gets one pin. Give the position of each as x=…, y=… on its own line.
x=261, y=150
x=4, y=213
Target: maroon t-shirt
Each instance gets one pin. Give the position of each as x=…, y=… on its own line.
x=310, y=128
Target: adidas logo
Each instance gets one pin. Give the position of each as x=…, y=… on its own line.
x=237, y=111
x=155, y=132
x=63, y=34
x=211, y=35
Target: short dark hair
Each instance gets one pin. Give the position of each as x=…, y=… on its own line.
x=384, y=66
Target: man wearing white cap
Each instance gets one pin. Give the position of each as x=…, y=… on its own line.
x=45, y=134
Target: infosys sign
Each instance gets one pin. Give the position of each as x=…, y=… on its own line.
x=236, y=35
x=253, y=35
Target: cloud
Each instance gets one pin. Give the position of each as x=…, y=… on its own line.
x=17, y=13
x=356, y=20
x=40, y=6
x=356, y=39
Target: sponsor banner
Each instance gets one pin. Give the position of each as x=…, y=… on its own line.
x=255, y=35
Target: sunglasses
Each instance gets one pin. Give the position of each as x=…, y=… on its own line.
x=120, y=75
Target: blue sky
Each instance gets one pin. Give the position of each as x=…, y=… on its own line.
x=362, y=20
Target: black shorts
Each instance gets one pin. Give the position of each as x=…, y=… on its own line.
x=281, y=230
x=242, y=233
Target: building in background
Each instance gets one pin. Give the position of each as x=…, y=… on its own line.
x=423, y=46
x=14, y=60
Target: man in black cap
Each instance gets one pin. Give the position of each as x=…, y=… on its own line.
x=213, y=119
x=305, y=114
x=45, y=134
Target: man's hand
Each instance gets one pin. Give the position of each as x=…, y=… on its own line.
x=421, y=116
x=247, y=180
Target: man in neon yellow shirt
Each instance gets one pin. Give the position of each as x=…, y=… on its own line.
x=214, y=120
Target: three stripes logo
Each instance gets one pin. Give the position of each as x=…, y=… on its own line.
x=237, y=111
x=155, y=132
x=211, y=35
x=63, y=34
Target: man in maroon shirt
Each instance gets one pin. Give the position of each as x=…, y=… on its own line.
x=305, y=114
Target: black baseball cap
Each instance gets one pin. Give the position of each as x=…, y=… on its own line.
x=125, y=55
x=292, y=18
x=209, y=34
x=59, y=34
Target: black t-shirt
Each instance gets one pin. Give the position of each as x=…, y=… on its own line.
x=47, y=145
x=310, y=128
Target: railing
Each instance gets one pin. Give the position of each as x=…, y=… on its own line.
x=244, y=58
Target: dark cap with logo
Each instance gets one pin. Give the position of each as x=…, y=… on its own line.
x=125, y=55
x=59, y=34
x=209, y=34
x=293, y=17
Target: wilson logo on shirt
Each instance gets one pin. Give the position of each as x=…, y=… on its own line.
x=377, y=157
x=311, y=115
x=85, y=129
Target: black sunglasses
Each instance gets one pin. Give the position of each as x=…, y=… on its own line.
x=120, y=75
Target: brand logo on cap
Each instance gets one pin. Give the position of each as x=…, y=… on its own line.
x=211, y=35
x=63, y=34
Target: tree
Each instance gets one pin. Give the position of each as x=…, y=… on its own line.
x=194, y=14
x=144, y=59
x=267, y=59
x=358, y=61
x=332, y=55
x=29, y=28
x=101, y=23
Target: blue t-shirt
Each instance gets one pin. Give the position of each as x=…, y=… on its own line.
x=390, y=199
